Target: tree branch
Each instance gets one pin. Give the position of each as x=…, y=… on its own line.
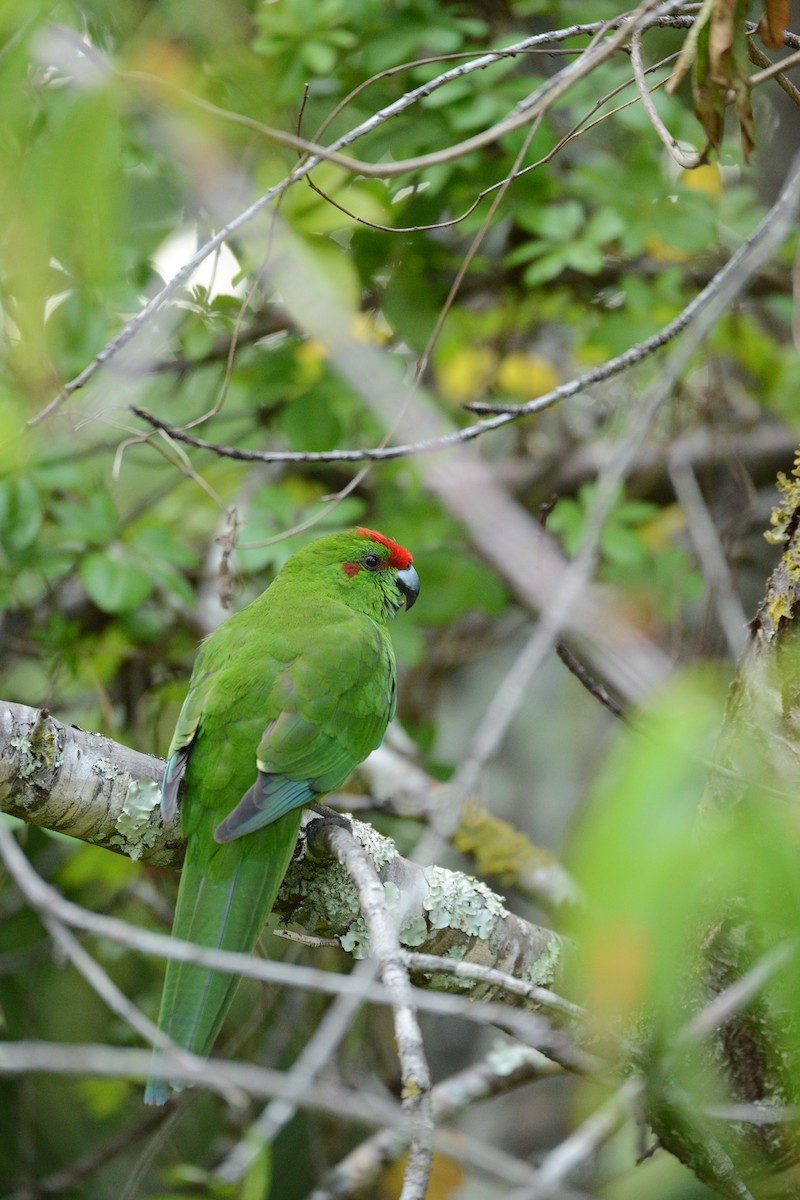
x=130, y=330
x=91, y=788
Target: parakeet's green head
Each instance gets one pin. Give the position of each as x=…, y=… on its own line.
x=362, y=567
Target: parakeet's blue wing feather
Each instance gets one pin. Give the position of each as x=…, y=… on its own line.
x=269, y=798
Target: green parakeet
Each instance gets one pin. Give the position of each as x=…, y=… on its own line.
x=285, y=699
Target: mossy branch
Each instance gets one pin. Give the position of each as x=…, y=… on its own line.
x=87, y=786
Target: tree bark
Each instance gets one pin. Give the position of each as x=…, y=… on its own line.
x=87, y=786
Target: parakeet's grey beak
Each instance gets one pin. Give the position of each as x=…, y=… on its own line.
x=408, y=583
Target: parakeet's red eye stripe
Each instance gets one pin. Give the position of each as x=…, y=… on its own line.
x=399, y=558
x=350, y=569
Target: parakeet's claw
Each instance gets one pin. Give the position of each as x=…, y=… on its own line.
x=317, y=846
x=331, y=815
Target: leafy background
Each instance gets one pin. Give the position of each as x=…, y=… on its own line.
x=113, y=539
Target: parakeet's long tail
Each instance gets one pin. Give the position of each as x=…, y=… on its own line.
x=224, y=904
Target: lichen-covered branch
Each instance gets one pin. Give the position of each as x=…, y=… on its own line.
x=94, y=789
x=85, y=785
x=759, y=747
x=435, y=910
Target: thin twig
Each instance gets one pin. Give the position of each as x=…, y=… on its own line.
x=538, y=996
x=384, y=944
x=687, y=161
x=534, y=105
x=774, y=69
x=703, y=534
x=491, y=1077
x=316, y=1053
x=157, y=302
x=77, y=1058
x=770, y=231
x=760, y=59
x=45, y=899
x=582, y=1144
x=118, y=1002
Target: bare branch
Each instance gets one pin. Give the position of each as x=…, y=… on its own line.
x=687, y=161
x=775, y=68
x=760, y=59
x=710, y=555
x=318, y=1050
x=495, y=981
x=76, y=1058
x=502, y=1071
x=729, y=282
x=582, y=1144
x=384, y=944
x=443, y=907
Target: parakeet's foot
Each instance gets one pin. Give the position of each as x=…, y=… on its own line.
x=318, y=846
x=331, y=814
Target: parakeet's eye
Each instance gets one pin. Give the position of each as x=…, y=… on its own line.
x=371, y=562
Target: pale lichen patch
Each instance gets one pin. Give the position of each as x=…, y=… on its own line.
x=356, y=940
x=106, y=768
x=460, y=902
x=506, y=1057
x=542, y=973
x=135, y=832
x=414, y=932
x=381, y=850
x=30, y=760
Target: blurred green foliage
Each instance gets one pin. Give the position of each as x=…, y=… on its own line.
x=677, y=908
x=111, y=542
x=636, y=548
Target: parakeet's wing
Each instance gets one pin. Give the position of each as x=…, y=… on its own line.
x=335, y=711
x=200, y=686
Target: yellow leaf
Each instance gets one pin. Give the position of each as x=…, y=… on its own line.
x=526, y=375
x=446, y=1178
x=660, y=530
x=466, y=374
x=371, y=327
x=662, y=251
x=310, y=357
x=707, y=179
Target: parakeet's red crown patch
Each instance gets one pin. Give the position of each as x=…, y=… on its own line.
x=398, y=555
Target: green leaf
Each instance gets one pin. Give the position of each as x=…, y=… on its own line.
x=258, y=1178
x=584, y=257
x=556, y=223
x=567, y=520
x=113, y=582
x=604, y=226
x=20, y=513
x=90, y=522
x=318, y=57
x=548, y=267
x=622, y=545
